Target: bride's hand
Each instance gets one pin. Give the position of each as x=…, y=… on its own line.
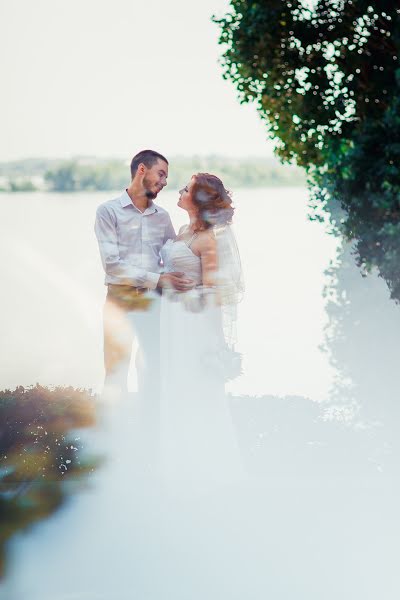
x=176, y=280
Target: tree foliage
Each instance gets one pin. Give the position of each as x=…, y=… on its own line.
x=315, y=73
x=40, y=450
x=325, y=76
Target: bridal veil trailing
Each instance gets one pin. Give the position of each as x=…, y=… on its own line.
x=198, y=440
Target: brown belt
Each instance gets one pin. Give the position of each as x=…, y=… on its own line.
x=128, y=297
x=118, y=289
x=126, y=288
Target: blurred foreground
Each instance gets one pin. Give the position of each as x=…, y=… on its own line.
x=311, y=518
x=316, y=414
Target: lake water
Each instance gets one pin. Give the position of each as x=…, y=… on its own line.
x=53, y=282
x=318, y=518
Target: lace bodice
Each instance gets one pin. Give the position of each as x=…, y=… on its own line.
x=177, y=256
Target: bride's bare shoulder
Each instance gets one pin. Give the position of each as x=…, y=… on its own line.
x=206, y=240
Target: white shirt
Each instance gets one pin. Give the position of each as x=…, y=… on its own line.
x=130, y=241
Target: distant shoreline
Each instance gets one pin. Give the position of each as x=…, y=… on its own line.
x=96, y=175
x=114, y=191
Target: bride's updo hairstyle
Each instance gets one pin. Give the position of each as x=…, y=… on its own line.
x=212, y=200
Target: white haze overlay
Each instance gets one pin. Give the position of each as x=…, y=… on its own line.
x=316, y=514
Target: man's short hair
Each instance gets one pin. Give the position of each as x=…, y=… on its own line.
x=148, y=158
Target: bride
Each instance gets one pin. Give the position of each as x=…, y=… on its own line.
x=198, y=442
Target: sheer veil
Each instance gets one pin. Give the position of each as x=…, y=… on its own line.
x=230, y=288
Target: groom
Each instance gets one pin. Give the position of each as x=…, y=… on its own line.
x=131, y=230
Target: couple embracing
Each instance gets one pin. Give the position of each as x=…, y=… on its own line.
x=176, y=296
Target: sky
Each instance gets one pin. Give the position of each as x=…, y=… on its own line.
x=109, y=78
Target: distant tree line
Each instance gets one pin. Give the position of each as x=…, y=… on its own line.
x=91, y=175
x=74, y=176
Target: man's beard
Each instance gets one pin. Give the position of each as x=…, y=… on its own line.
x=147, y=192
x=150, y=195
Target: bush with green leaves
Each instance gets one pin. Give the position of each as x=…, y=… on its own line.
x=40, y=450
x=325, y=77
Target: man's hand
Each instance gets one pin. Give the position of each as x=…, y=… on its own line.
x=175, y=280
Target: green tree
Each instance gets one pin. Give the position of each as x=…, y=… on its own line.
x=63, y=178
x=22, y=185
x=325, y=77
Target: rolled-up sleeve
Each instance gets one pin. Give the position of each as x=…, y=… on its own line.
x=118, y=271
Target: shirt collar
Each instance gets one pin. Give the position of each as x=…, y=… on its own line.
x=126, y=201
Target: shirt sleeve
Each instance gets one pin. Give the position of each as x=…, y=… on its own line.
x=119, y=271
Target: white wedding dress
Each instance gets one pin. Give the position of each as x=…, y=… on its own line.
x=198, y=441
